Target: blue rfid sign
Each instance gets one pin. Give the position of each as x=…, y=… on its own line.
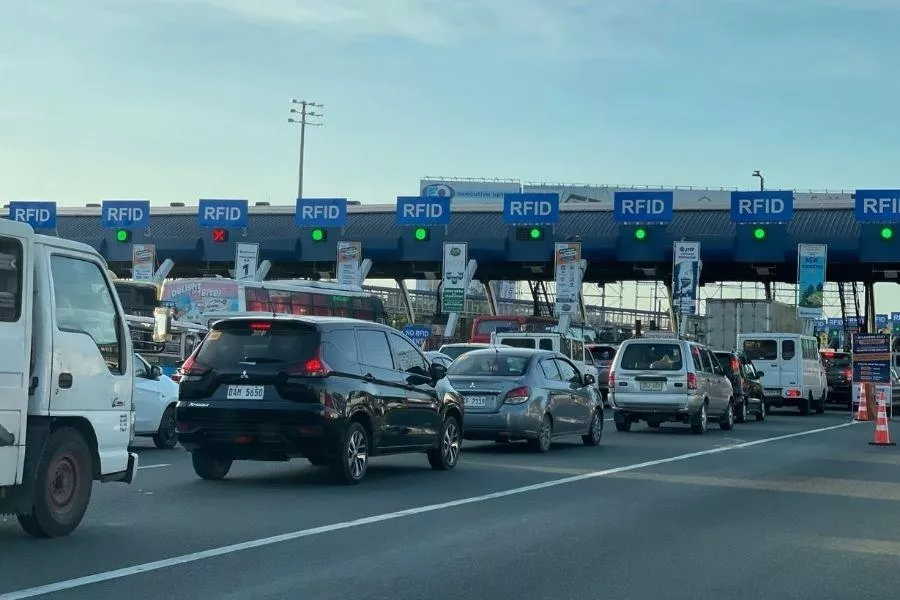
x=775, y=206
x=877, y=206
x=40, y=215
x=423, y=210
x=643, y=206
x=531, y=209
x=417, y=333
x=132, y=214
x=223, y=213
x=321, y=212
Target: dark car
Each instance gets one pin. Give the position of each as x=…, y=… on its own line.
x=603, y=356
x=747, y=384
x=839, y=372
x=333, y=390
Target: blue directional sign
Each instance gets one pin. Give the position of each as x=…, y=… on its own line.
x=223, y=213
x=128, y=214
x=770, y=206
x=321, y=212
x=417, y=333
x=423, y=210
x=531, y=209
x=40, y=215
x=643, y=207
x=877, y=206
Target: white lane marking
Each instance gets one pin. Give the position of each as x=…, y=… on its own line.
x=287, y=537
x=149, y=467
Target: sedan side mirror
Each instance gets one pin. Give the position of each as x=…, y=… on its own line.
x=589, y=379
x=437, y=371
x=155, y=372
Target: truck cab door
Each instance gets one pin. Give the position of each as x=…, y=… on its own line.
x=16, y=283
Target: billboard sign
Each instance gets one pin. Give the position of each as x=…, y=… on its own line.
x=812, y=260
x=468, y=191
x=453, y=289
x=567, y=262
x=685, y=277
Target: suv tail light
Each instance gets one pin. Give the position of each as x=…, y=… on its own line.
x=314, y=367
x=611, y=380
x=848, y=374
x=191, y=369
x=692, y=381
x=517, y=395
x=735, y=365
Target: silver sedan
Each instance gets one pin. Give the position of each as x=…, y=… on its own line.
x=521, y=394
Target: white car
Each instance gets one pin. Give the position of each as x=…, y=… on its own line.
x=155, y=396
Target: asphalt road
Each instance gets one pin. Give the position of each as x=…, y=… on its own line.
x=796, y=507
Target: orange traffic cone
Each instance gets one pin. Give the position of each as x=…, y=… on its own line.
x=862, y=412
x=882, y=435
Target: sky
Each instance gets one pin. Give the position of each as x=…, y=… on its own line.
x=173, y=100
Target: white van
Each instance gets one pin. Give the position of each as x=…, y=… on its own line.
x=66, y=382
x=793, y=373
x=571, y=347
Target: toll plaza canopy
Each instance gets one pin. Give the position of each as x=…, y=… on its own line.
x=614, y=250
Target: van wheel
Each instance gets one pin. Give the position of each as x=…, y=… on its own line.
x=820, y=406
x=209, y=466
x=63, y=484
x=726, y=421
x=700, y=421
x=166, y=436
x=805, y=404
x=761, y=415
x=743, y=411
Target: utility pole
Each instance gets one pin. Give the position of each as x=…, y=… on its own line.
x=304, y=113
x=762, y=181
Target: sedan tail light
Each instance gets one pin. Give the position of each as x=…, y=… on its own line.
x=517, y=395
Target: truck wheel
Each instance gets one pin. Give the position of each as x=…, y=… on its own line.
x=210, y=466
x=166, y=436
x=62, y=486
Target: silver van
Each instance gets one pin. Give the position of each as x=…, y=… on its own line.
x=662, y=380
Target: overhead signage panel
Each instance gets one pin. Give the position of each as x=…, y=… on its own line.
x=321, y=212
x=877, y=206
x=643, y=206
x=40, y=215
x=423, y=210
x=531, y=209
x=125, y=214
x=771, y=206
x=223, y=213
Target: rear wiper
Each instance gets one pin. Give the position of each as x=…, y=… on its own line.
x=261, y=359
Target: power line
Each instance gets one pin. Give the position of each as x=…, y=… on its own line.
x=303, y=115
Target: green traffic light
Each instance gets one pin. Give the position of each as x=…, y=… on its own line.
x=535, y=233
x=640, y=233
x=421, y=234
x=759, y=233
x=887, y=233
x=318, y=235
x=122, y=235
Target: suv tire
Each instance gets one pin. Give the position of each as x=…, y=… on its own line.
x=446, y=456
x=700, y=421
x=726, y=421
x=209, y=466
x=743, y=412
x=352, y=461
x=166, y=436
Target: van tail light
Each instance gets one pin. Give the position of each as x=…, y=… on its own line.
x=611, y=380
x=313, y=367
x=517, y=395
x=848, y=374
x=192, y=369
x=735, y=365
x=692, y=381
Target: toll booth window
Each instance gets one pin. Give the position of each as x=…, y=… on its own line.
x=761, y=349
x=787, y=349
x=10, y=280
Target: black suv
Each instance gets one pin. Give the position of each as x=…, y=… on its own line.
x=333, y=390
x=747, y=384
x=839, y=372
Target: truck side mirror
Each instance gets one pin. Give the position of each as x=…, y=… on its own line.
x=162, y=324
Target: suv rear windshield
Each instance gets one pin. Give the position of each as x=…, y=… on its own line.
x=761, y=349
x=231, y=342
x=656, y=356
x=724, y=359
x=489, y=364
x=602, y=353
x=837, y=361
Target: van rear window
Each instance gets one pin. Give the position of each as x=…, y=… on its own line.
x=761, y=349
x=652, y=357
x=517, y=342
x=244, y=340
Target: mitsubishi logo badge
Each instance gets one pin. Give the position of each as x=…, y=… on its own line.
x=472, y=385
x=244, y=375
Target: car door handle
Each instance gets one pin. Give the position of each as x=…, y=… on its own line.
x=368, y=377
x=65, y=380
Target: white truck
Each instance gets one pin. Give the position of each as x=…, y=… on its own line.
x=727, y=319
x=66, y=380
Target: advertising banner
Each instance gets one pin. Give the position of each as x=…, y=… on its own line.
x=468, y=191
x=872, y=367
x=567, y=260
x=453, y=290
x=143, y=261
x=685, y=277
x=811, y=262
x=349, y=255
x=193, y=298
x=246, y=261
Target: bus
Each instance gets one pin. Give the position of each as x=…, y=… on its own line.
x=191, y=299
x=138, y=298
x=483, y=327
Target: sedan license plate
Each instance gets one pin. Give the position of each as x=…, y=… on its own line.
x=476, y=401
x=651, y=386
x=246, y=392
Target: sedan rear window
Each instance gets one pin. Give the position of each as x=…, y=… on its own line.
x=232, y=342
x=652, y=357
x=489, y=364
x=457, y=351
